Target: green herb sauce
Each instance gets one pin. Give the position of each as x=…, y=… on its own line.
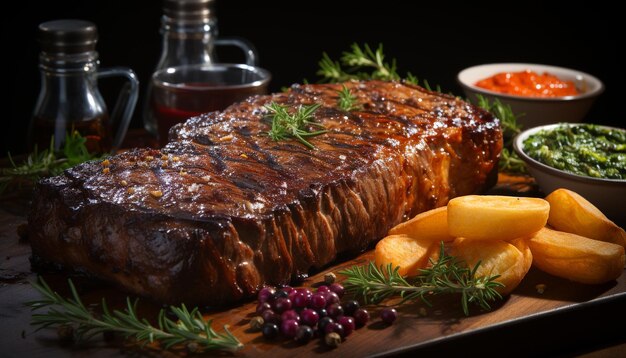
x=582, y=149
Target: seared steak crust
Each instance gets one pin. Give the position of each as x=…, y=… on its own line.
x=223, y=210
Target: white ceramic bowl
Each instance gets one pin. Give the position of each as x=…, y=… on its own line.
x=609, y=195
x=537, y=110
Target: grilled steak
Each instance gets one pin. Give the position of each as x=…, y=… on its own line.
x=223, y=209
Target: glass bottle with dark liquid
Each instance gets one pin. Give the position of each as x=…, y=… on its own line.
x=189, y=34
x=69, y=99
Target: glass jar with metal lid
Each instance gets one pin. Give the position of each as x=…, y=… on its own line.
x=69, y=99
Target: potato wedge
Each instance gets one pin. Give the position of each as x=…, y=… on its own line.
x=430, y=225
x=496, y=257
x=409, y=253
x=494, y=217
x=572, y=213
x=522, y=245
x=575, y=257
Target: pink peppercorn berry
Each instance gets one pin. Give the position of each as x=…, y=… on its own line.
x=388, y=315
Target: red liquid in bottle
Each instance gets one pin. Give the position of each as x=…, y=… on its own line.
x=167, y=118
x=171, y=105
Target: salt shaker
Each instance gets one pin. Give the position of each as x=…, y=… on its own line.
x=189, y=36
x=69, y=99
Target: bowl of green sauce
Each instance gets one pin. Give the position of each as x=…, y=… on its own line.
x=586, y=158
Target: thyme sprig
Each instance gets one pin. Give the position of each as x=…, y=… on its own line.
x=347, y=101
x=448, y=275
x=48, y=162
x=293, y=125
x=191, y=331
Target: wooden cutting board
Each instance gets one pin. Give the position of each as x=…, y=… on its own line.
x=565, y=316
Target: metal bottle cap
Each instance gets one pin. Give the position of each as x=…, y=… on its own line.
x=68, y=36
x=188, y=9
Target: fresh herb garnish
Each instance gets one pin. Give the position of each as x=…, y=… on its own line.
x=447, y=275
x=363, y=58
x=508, y=119
x=357, y=61
x=364, y=64
x=347, y=101
x=510, y=162
x=412, y=79
x=287, y=125
x=48, y=162
x=190, y=331
x=331, y=71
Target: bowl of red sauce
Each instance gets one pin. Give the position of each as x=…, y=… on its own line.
x=538, y=94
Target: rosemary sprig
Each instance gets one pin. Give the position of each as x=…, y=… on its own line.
x=412, y=79
x=331, y=70
x=47, y=162
x=447, y=275
x=364, y=64
x=357, y=61
x=361, y=58
x=189, y=332
x=347, y=101
x=285, y=125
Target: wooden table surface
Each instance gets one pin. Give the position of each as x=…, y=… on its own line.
x=567, y=319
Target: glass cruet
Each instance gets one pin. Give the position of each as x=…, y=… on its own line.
x=69, y=99
x=189, y=36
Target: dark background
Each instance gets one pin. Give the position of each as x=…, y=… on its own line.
x=433, y=41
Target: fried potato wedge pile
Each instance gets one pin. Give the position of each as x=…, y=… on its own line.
x=572, y=213
x=576, y=257
x=563, y=235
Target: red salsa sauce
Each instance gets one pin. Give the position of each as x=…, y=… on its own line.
x=529, y=84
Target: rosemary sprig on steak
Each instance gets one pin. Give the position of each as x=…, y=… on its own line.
x=447, y=275
x=296, y=125
x=347, y=101
x=190, y=331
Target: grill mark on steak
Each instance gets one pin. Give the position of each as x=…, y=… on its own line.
x=246, y=135
x=218, y=159
x=239, y=210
